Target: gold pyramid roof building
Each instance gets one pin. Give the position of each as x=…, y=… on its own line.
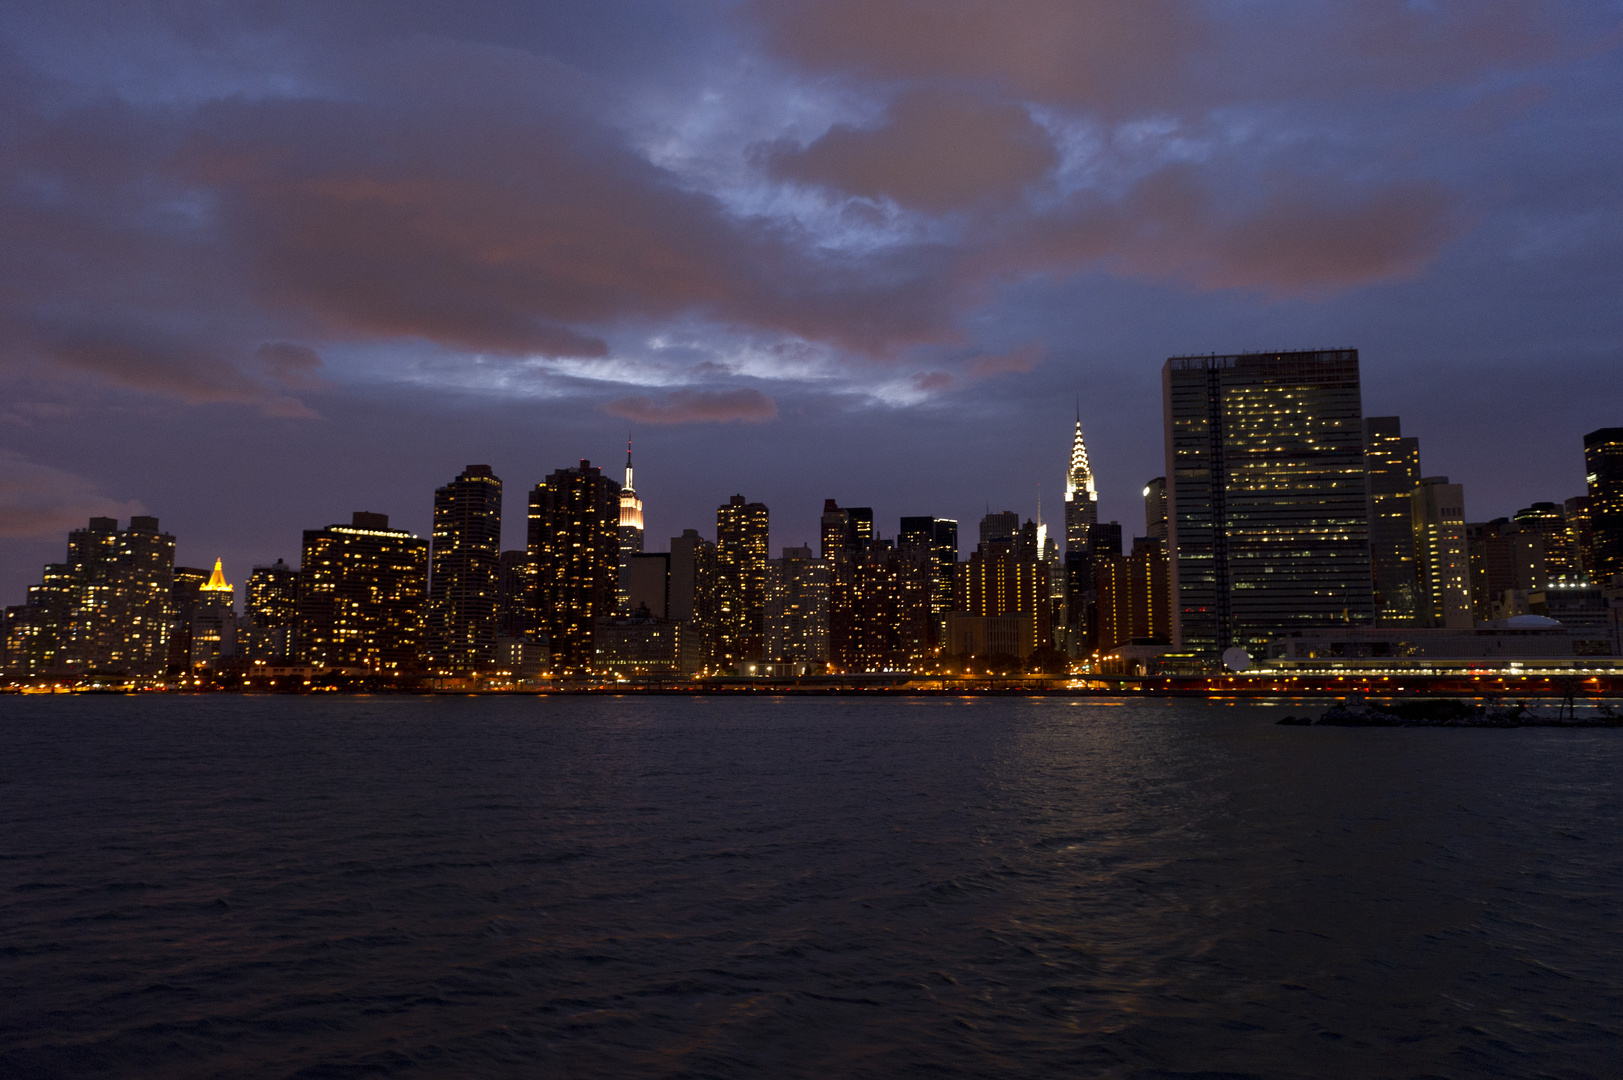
x=216, y=581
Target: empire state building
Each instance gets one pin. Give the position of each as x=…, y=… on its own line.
x=1081, y=500
x=630, y=530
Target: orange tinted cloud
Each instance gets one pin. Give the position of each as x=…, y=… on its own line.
x=935, y=151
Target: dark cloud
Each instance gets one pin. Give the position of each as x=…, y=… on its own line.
x=1297, y=237
x=156, y=363
x=935, y=151
x=697, y=407
x=1016, y=361
x=38, y=500
x=297, y=366
x=1180, y=55
x=1067, y=51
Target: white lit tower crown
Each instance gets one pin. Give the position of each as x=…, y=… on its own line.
x=1081, y=500
x=630, y=530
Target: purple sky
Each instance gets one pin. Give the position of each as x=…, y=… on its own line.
x=266, y=264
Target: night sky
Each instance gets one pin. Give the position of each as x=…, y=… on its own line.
x=262, y=265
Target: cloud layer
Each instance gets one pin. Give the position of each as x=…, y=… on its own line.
x=38, y=500
x=696, y=406
x=467, y=189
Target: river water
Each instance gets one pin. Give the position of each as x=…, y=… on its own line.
x=798, y=887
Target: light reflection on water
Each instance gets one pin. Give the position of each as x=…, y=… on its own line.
x=798, y=887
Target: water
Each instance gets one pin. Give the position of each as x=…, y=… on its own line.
x=672, y=887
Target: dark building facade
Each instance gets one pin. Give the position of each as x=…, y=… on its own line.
x=574, y=546
x=465, y=585
x=741, y=555
x=1268, y=501
x=1393, y=463
x=1549, y=520
x=936, y=539
x=362, y=596
x=1133, y=597
x=1155, y=509
x=1603, y=468
x=692, y=592
x=1502, y=558
x=1580, y=535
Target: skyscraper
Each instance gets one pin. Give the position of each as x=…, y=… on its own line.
x=1502, y=558
x=647, y=581
x=1004, y=528
x=1580, y=535
x=692, y=596
x=272, y=609
x=1393, y=463
x=741, y=548
x=575, y=547
x=1442, y=559
x=1549, y=520
x=937, y=539
x=1002, y=599
x=214, y=621
x=1155, y=509
x=835, y=530
x=146, y=560
x=1269, y=519
x=1603, y=466
x=362, y=596
x=464, y=587
x=1081, y=500
x=183, y=593
x=879, y=608
x=797, y=608
x=630, y=530
x=106, y=608
x=515, y=593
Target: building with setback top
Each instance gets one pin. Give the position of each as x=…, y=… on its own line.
x=1267, y=498
x=1081, y=499
x=106, y=608
x=630, y=531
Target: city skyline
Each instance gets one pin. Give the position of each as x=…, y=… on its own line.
x=513, y=528
x=1124, y=504
x=1287, y=523
x=774, y=256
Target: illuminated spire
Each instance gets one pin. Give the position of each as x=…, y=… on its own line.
x=1080, y=475
x=630, y=505
x=217, y=581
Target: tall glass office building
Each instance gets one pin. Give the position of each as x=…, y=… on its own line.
x=1269, y=516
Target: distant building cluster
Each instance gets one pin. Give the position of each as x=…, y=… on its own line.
x=1288, y=530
